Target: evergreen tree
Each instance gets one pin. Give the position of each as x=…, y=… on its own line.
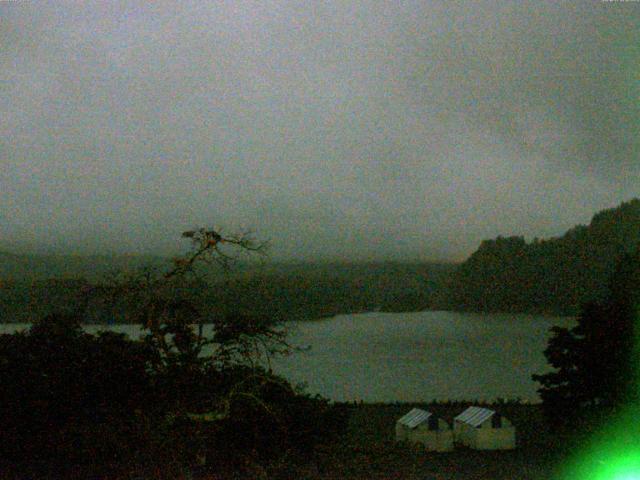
x=596, y=362
x=557, y=275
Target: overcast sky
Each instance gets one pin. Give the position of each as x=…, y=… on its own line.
x=338, y=130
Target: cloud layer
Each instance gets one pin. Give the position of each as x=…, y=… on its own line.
x=352, y=130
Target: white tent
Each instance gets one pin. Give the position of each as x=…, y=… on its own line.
x=484, y=429
x=420, y=426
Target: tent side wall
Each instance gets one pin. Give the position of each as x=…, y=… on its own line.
x=436, y=441
x=495, y=438
x=462, y=433
x=440, y=440
x=485, y=437
x=402, y=432
x=445, y=441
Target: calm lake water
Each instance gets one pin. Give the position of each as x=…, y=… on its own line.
x=421, y=356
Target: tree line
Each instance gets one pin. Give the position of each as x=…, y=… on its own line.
x=555, y=276
x=302, y=292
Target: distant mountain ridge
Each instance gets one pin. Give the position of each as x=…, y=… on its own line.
x=23, y=267
x=291, y=292
x=555, y=276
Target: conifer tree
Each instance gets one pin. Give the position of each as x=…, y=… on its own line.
x=596, y=362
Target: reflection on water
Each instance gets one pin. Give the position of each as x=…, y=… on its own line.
x=421, y=356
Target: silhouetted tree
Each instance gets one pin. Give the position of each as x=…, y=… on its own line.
x=596, y=362
x=216, y=387
x=173, y=306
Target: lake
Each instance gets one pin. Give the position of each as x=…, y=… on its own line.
x=418, y=356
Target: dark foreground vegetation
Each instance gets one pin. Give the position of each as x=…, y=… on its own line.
x=88, y=414
x=81, y=406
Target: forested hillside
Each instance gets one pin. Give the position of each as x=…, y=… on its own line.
x=290, y=291
x=548, y=276
x=506, y=274
x=24, y=267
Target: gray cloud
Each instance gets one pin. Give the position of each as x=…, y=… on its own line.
x=336, y=129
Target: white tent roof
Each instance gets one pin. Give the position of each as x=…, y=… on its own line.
x=414, y=418
x=475, y=415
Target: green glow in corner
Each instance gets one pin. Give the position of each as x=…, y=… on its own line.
x=620, y=469
x=612, y=454
x=598, y=465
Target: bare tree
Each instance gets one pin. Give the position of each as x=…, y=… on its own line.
x=172, y=306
